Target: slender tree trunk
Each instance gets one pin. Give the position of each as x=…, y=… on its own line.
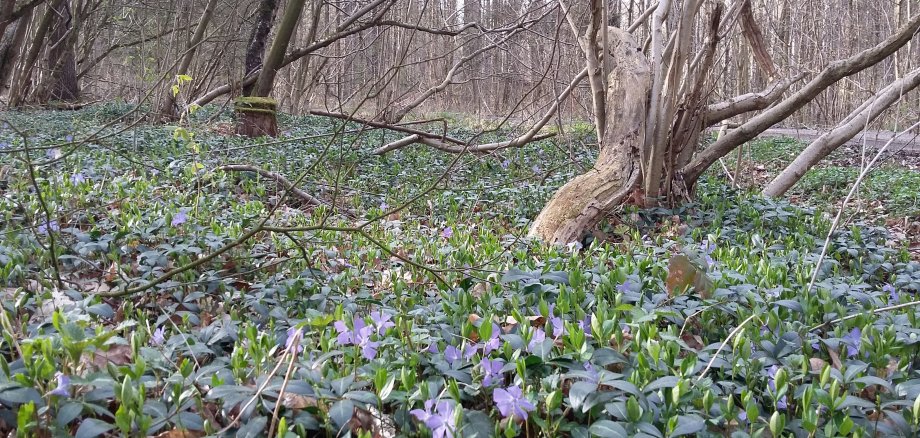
x=22, y=77
x=169, y=111
x=256, y=113
x=258, y=39
x=11, y=47
x=62, y=82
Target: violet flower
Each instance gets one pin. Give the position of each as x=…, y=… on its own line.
x=437, y=416
x=46, y=227
x=558, y=326
x=53, y=153
x=506, y=163
x=382, y=321
x=451, y=354
x=771, y=373
x=63, y=385
x=469, y=351
x=626, y=286
x=447, y=232
x=892, y=293
x=294, y=335
x=494, y=341
x=77, y=179
x=158, y=337
x=512, y=403
x=585, y=324
x=593, y=375
x=491, y=369
x=179, y=218
x=537, y=339
x=360, y=337
x=853, y=340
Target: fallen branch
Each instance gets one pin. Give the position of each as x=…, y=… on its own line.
x=280, y=179
x=390, y=126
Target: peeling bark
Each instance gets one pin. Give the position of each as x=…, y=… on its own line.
x=582, y=202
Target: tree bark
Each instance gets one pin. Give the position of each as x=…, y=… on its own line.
x=168, y=109
x=11, y=46
x=258, y=39
x=582, y=203
x=275, y=58
x=846, y=130
x=63, y=85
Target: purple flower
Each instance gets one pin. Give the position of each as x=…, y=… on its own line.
x=505, y=164
x=816, y=345
x=63, y=385
x=46, y=227
x=494, y=341
x=382, y=321
x=179, y=218
x=892, y=293
x=68, y=138
x=709, y=261
x=447, y=232
x=77, y=178
x=360, y=337
x=771, y=372
x=294, y=335
x=512, y=403
x=626, y=286
x=440, y=421
x=593, y=375
x=853, y=340
x=535, y=168
x=158, y=337
x=470, y=351
x=764, y=330
x=742, y=416
x=4, y=145
x=537, y=339
x=707, y=247
x=53, y=153
x=585, y=324
x=384, y=206
x=451, y=354
x=490, y=370
x=433, y=348
x=558, y=326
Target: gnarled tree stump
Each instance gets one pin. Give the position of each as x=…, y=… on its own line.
x=256, y=116
x=581, y=203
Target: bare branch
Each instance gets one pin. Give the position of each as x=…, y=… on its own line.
x=830, y=75
x=848, y=128
x=718, y=112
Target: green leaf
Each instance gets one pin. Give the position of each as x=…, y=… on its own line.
x=91, y=428
x=607, y=428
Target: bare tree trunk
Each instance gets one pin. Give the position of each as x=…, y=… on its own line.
x=581, y=203
x=169, y=111
x=62, y=82
x=22, y=78
x=257, y=115
x=265, y=16
x=11, y=47
x=846, y=130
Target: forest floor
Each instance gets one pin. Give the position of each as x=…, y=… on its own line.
x=410, y=300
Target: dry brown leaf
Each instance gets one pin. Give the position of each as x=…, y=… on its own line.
x=181, y=433
x=682, y=274
x=817, y=364
x=116, y=355
x=373, y=421
x=296, y=401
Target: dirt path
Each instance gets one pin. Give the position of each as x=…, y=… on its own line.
x=909, y=143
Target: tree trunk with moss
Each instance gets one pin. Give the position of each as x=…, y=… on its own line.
x=256, y=117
